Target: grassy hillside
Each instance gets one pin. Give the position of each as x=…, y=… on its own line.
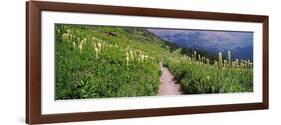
x=106, y=62
x=103, y=61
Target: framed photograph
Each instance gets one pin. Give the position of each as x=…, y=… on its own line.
x=93, y=62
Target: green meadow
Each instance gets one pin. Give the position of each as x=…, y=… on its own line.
x=105, y=62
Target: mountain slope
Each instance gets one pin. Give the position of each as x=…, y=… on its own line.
x=101, y=61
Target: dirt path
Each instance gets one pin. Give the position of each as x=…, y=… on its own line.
x=168, y=86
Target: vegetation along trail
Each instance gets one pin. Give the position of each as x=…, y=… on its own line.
x=108, y=61
x=168, y=86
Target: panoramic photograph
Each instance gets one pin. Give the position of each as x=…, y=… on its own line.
x=112, y=61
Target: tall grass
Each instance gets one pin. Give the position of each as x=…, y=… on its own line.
x=92, y=65
x=197, y=78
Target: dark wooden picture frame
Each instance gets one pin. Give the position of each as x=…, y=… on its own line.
x=33, y=62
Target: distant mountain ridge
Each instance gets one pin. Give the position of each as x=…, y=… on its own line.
x=239, y=43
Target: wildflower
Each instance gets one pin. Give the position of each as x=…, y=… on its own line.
x=224, y=62
x=78, y=38
x=81, y=46
x=99, y=47
x=142, y=58
x=194, y=55
x=97, y=51
x=127, y=60
x=233, y=64
x=215, y=62
x=251, y=65
x=82, y=42
x=248, y=63
x=127, y=54
x=68, y=30
x=208, y=77
x=237, y=63
x=207, y=61
x=220, y=59
x=242, y=64
x=131, y=54
x=74, y=45
x=229, y=58
x=64, y=36
x=203, y=59
x=145, y=56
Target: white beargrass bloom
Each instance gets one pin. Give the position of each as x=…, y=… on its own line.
x=80, y=46
x=64, y=36
x=207, y=61
x=229, y=57
x=224, y=62
x=96, y=51
x=208, y=77
x=215, y=62
x=127, y=60
x=81, y=42
x=142, y=58
x=146, y=56
x=237, y=63
x=131, y=54
x=127, y=54
x=99, y=47
x=251, y=64
x=248, y=63
x=242, y=65
x=194, y=55
x=233, y=64
x=74, y=45
x=220, y=59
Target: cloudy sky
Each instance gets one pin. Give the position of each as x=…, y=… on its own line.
x=213, y=41
x=208, y=39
